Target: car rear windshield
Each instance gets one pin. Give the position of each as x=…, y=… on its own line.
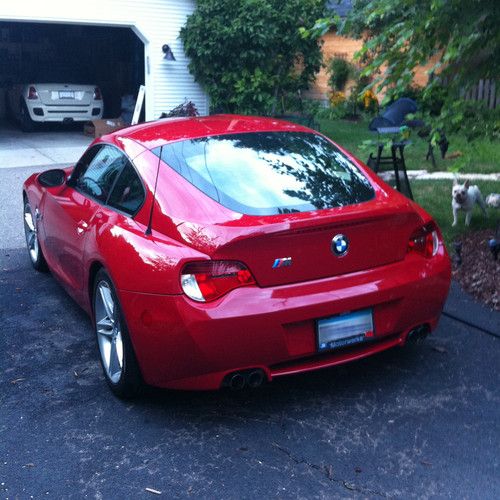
x=264, y=173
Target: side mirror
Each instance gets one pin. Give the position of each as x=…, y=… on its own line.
x=52, y=178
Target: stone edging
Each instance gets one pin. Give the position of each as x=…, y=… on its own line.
x=425, y=175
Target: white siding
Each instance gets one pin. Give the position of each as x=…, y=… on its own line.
x=156, y=22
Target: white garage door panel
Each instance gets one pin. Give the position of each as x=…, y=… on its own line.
x=157, y=22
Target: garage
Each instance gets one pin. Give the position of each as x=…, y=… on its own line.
x=114, y=46
x=66, y=53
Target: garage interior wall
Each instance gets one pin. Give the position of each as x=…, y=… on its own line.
x=62, y=53
x=155, y=22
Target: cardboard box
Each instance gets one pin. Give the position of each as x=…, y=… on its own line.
x=97, y=128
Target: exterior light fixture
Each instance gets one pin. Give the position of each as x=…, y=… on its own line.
x=169, y=55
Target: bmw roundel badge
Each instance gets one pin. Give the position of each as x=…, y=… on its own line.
x=340, y=245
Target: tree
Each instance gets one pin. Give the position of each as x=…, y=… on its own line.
x=461, y=36
x=248, y=55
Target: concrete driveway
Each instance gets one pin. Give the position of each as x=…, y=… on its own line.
x=415, y=423
x=53, y=146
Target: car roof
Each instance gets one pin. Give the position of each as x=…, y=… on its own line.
x=157, y=133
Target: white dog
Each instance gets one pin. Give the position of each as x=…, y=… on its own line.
x=493, y=200
x=464, y=196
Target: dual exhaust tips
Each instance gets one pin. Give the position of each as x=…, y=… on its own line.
x=237, y=381
x=249, y=378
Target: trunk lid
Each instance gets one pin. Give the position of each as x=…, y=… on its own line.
x=293, y=251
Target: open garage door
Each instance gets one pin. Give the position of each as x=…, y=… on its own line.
x=109, y=58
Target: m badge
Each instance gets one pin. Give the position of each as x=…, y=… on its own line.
x=283, y=262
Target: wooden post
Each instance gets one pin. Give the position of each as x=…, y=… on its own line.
x=487, y=91
x=493, y=95
x=480, y=90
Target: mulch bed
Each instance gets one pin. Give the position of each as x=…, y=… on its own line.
x=479, y=273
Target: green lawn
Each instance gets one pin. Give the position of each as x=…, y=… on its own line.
x=435, y=197
x=481, y=156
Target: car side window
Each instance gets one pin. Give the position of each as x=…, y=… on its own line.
x=83, y=163
x=98, y=177
x=127, y=194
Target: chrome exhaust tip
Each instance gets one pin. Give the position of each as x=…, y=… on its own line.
x=251, y=378
x=418, y=334
x=237, y=381
x=255, y=378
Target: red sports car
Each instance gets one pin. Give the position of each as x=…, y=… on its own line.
x=229, y=250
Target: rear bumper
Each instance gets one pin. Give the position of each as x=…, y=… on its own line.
x=186, y=345
x=42, y=113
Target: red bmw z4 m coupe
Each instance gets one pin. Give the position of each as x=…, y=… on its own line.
x=229, y=250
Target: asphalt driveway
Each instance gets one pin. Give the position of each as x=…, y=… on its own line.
x=421, y=422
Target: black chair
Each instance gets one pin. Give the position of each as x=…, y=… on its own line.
x=390, y=122
x=394, y=115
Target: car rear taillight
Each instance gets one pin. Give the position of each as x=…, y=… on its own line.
x=97, y=94
x=425, y=241
x=205, y=281
x=32, y=93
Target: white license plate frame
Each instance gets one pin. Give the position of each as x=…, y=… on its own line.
x=66, y=94
x=344, y=330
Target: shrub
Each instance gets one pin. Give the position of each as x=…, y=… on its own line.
x=369, y=101
x=187, y=108
x=363, y=94
x=249, y=55
x=336, y=98
x=414, y=92
x=339, y=70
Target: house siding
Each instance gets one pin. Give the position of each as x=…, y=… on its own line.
x=156, y=22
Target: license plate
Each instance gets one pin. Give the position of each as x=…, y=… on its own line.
x=345, y=329
x=66, y=94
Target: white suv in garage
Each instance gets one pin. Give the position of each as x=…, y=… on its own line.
x=54, y=102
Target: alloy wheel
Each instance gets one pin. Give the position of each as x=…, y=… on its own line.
x=109, y=333
x=30, y=233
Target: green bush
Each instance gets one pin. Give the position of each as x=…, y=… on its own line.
x=339, y=70
x=433, y=99
x=360, y=90
x=414, y=92
x=249, y=55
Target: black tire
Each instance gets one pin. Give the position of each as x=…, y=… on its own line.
x=128, y=382
x=27, y=124
x=35, y=252
x=11, y=114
